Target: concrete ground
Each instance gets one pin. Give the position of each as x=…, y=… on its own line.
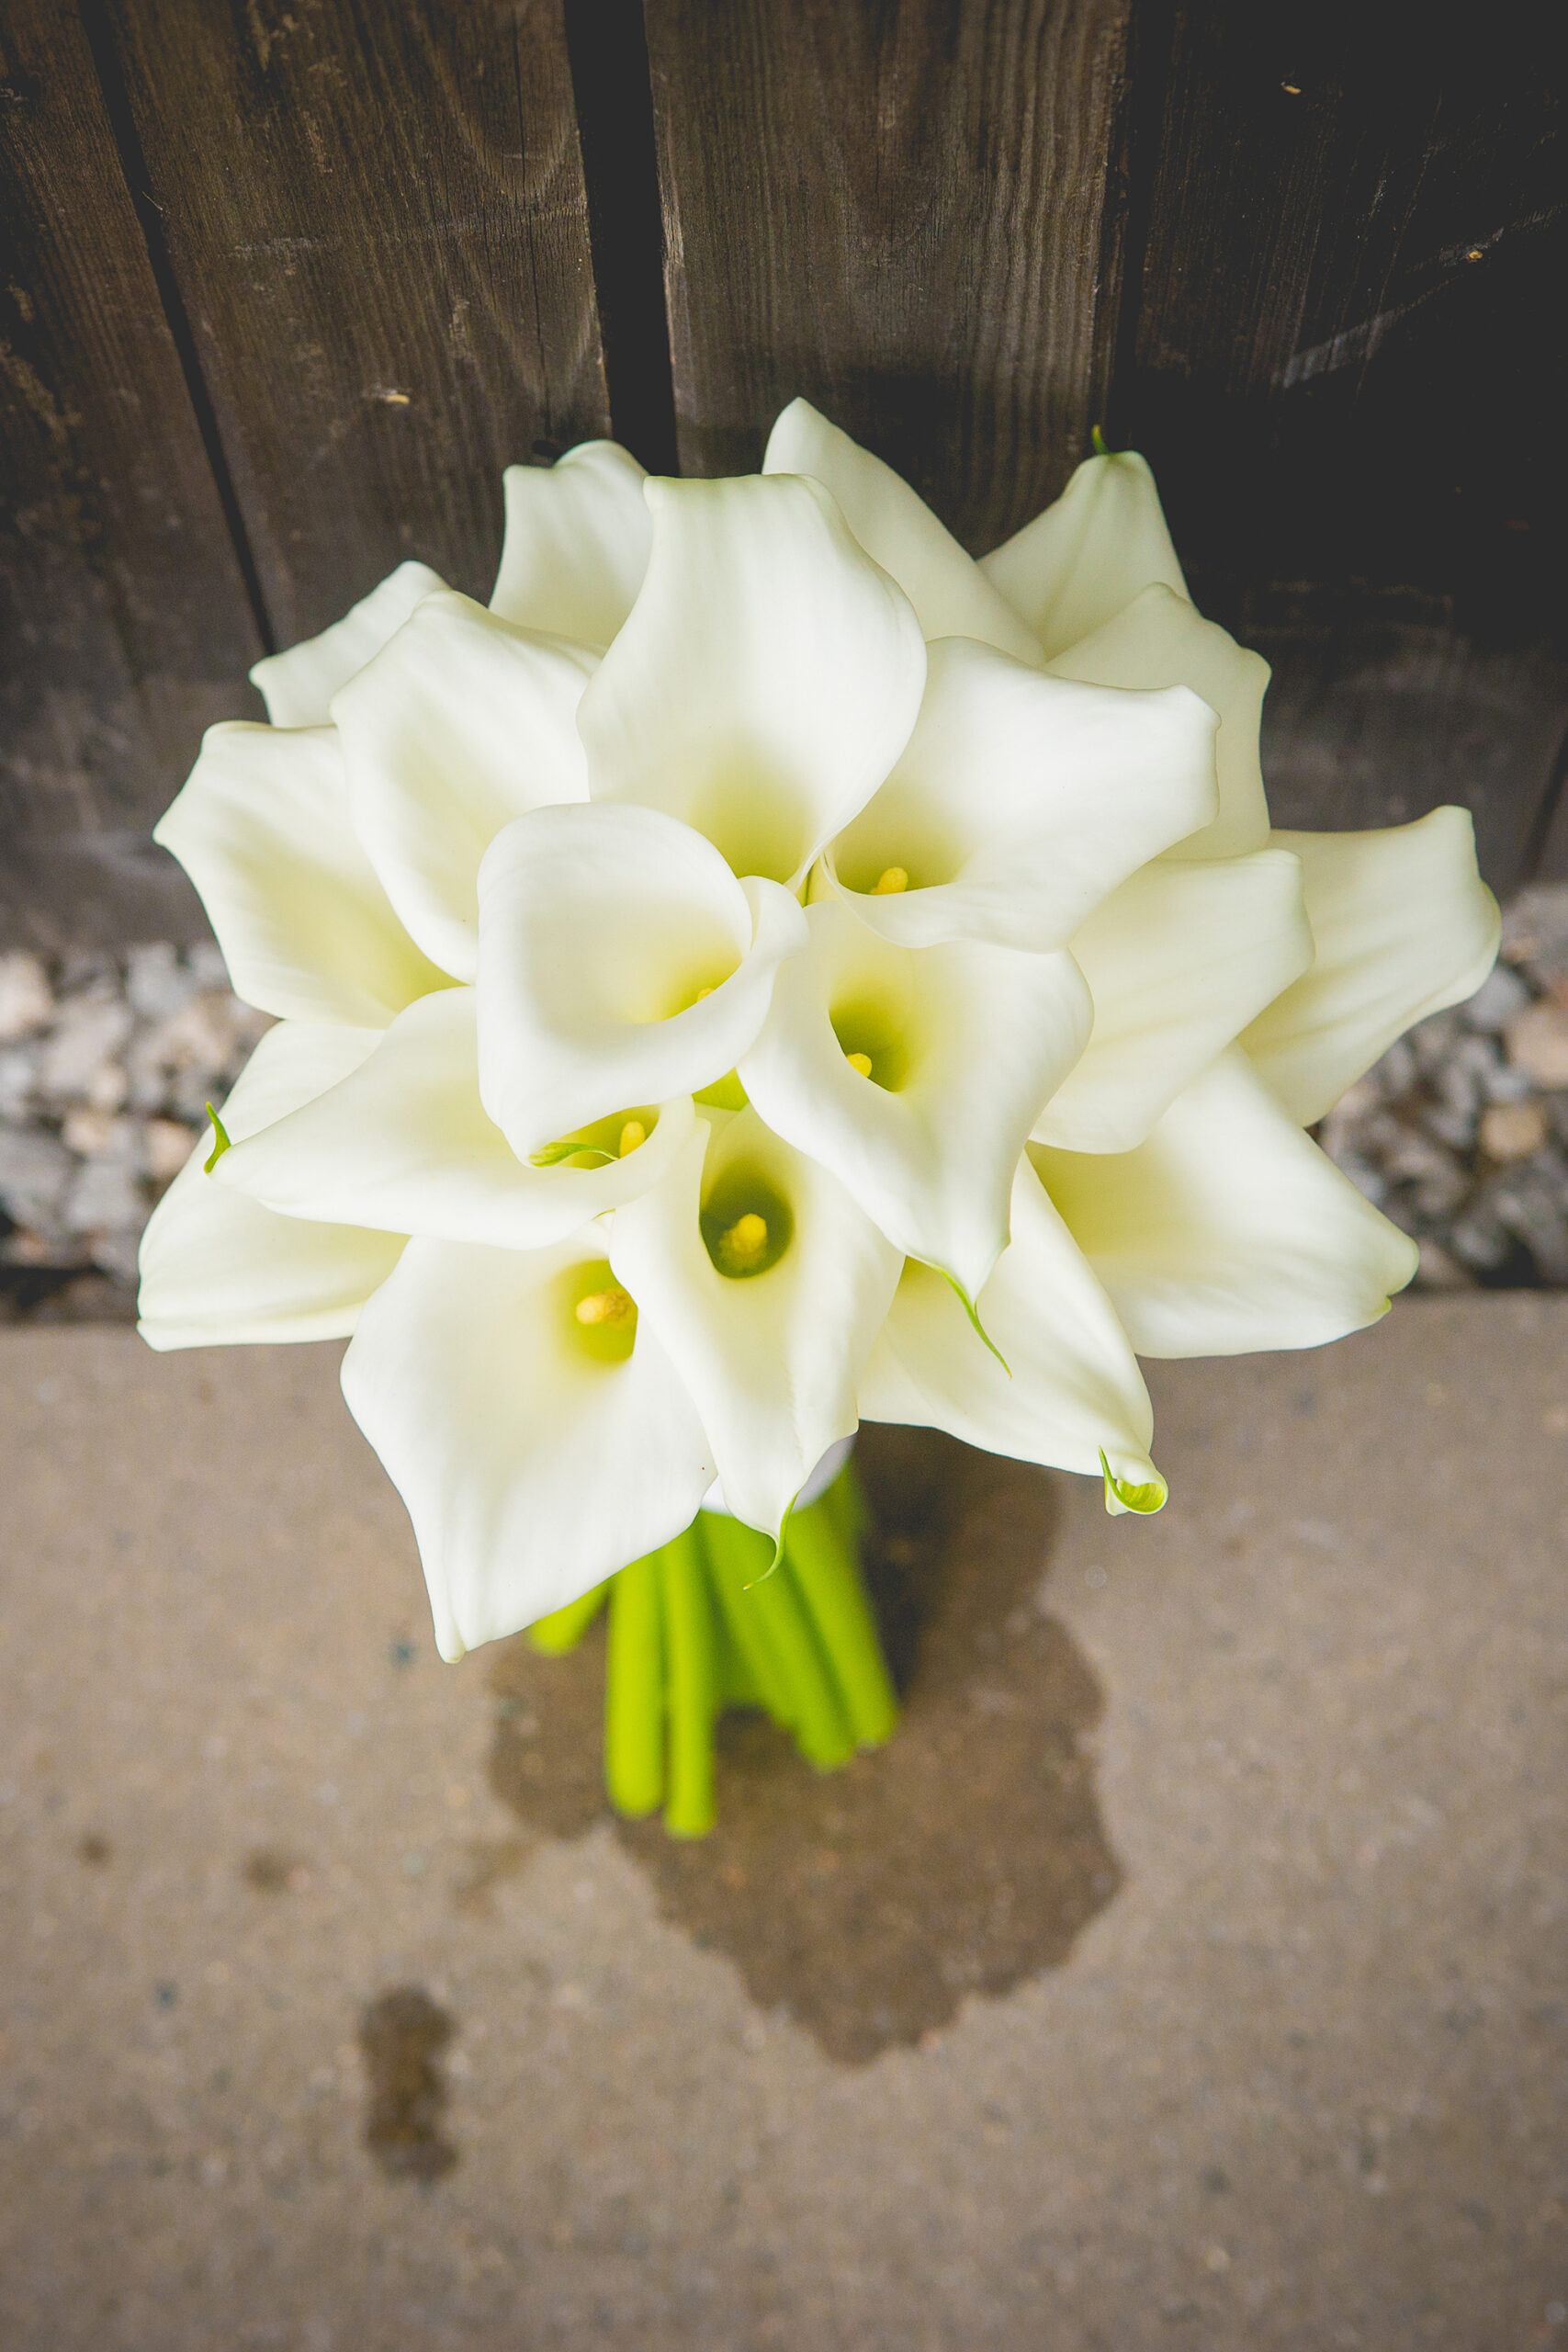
x=1189, y=1973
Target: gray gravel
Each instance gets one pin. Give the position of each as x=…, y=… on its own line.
x=1460, y=1133
x=106, y=1064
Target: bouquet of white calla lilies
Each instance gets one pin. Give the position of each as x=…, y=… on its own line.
x=770, y=971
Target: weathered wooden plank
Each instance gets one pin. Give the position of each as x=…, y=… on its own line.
x=898, y=211
x=377, y=221
x=1343, y=353
x=124, y=624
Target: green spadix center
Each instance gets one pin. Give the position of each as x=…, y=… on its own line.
x=870, y=1037
x=746, y=1225
x=599, y=1315
x=614, y=1137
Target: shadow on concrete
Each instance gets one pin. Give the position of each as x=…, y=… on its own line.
x=963, y=1858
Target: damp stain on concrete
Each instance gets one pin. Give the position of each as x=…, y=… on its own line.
x=402, y=2034
x=963, y=1858
x=267, y=1870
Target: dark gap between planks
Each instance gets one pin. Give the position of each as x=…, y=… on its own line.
x=607, y=48
x=137, y=181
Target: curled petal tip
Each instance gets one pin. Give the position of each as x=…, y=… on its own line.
x=1129, y=1494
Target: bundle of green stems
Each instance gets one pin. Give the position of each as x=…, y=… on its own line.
x=711, y=1621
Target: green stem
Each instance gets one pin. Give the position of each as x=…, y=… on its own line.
x=634, y=1691
x=824, y=1569
x=765, y=1613
x=689, y=1808
x=552, y=1637
x=731, y=1553
x=846, y=1506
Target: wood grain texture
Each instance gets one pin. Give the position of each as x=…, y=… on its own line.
x=123, y=616
x=1341, y=354
x=896, y=210
x=378, y=220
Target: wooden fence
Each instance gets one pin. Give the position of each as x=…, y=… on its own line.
x=287, y=282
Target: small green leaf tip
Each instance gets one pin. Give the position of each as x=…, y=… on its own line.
x=221, y=1142
x=975, y=1323
x=1099, y=441
x=1146, y=1499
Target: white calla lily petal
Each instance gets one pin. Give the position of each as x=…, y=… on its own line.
x=1228, y=1229
x=964, y=1042
x=769, y=1356
x=1020, y=801
x=262, y=828
x=403, y=1144
x=620, y=962
x=219, y=1270
x=1070, y=1390
x=536, y=1453
x=1160, y=640
x=576, y=547
x=1403, y=924
x=1177, y=961
x=767, y=676
x=297, y=687
x=460, y=724
x=1101, y=544
x=951, y=595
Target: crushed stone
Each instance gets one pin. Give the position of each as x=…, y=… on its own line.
x=107, y=1063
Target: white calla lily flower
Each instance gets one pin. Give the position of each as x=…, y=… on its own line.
x=1228, y=1229
x=766, y=1287
x=1402, y=925
x=220, y=1271
x=1177, y=961
x=576, y=547
x=1060, y=1384
x=1086, y=558
x=766, y=678
x=915, y=1077
x=461, y=723
x=951, y=595
x=1019, y=802
x=403, y=1144
x=1161, y=640
x=620, y=961
x=530, y=1421
x=297, y=687
x=264, y=829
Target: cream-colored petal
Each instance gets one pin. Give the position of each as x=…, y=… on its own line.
x=460, y=724
x=1160, y=640
x=262, y=828
x=1101, y=544
x=1177, y=962
x=297, y=687
x=537, y=1454
x=951, y=595
x=219, y=1270
x=1402, y=924
x=403, y=1144
x=576, y=547
x=620, y=962
x=767, y=676
x=965, y=1042
x=1069, y=1390
x=1228, y=1230
x=1020, y=801
x=770, y=1358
